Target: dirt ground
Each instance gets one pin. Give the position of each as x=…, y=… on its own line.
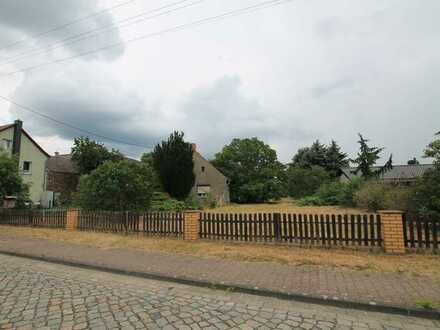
x=285, y=205
x=413, y=264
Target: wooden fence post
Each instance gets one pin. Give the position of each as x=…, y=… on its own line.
x=191, y=225
x=277, y=226
x=392, y=231
x=72, y=218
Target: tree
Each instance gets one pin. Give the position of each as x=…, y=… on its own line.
x=117, y=186
x=147, y=160
x=328, y=157
x=11, y=183
x=433, y=150
x=367, y=158
x=253, y=170
x=335, y=160
x=315, y=155
x=88, y=154
x=173, y=162
x=302, y=182
x=413, y=161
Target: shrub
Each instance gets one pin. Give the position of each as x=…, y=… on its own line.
x=375, y=195
x=427, y=194
x=162, y=202
x=302, y=182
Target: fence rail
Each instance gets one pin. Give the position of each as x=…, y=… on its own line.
x=37, y=218
x=421, y=233
x=308, y=229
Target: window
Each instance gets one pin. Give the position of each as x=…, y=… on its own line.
x=203, y=168
x=203, y=191
x=6, y=144
x=27, y=167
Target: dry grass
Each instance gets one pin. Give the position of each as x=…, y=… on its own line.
x=286, y=205
x=416, y=265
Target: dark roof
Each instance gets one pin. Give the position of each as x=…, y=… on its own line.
x=4, y=127
x=397, y=173
x=61, y=163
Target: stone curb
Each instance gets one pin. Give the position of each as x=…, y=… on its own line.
x=320, y=300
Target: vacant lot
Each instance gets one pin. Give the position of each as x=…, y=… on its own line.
x=285, y=205
x=416, y=265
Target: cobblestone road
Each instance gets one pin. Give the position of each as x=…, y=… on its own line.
x=42, y=295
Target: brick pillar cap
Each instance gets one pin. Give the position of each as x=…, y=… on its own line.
x=391, y=211
x=193, y=211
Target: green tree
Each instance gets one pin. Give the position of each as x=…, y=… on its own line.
x=88, y=154
x=11, y=183
x=335, y=160
x=330, y=158
x=253, y=170
x=302, y=182
x=315, y=155
x=413, y=161
x=147, y=160
x=117, y=186
x=367, y=158
x=173, y=162
x=433, y=150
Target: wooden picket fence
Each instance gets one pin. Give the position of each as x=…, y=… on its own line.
x=148, y=223
x=421, y=233
x=303, y=229
x=51, y=218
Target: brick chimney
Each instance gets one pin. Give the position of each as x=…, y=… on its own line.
x=193, y=147
x=16, y=140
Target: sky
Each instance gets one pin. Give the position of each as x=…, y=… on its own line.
x=288, y=74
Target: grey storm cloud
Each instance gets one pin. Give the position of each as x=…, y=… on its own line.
x=92, y=102
x=22, y=19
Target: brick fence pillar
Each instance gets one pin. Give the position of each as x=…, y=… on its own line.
x=191, y=225
x=392, y=231
x=72, y=218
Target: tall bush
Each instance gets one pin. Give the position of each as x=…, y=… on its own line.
x=302, y=182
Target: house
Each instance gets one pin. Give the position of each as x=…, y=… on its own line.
x=209, y=181
x=62, y=177
x=32, y=158
x=399, y=174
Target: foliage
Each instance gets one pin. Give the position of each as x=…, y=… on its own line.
x=253, y=170
x=427, y=194
x=162, y=202
x=173, y=162
x=433, y=151
x=413, y=161
x=426, y=304
x=367, y=158
x=147, y=160
x=334, y=193
x=11, y=183
x=302, y=182
x=376, y=195
x=88, y=154
x=118, y=186
x=328, y=157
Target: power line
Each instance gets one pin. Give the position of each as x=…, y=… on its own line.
x=59, y=27
x=72, y=126
x=91, y=33
x=233, y=13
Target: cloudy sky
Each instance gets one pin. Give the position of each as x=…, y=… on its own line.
x=288, y=74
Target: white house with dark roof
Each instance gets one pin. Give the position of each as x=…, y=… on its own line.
x=31, y=156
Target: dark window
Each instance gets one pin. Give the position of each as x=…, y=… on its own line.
x=27, y=167
x=203, y=168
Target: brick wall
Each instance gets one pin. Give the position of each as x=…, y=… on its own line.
x=392, y=231
x=191, y=227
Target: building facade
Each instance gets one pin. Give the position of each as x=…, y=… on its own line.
x=32, y=158
x=209, y=181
